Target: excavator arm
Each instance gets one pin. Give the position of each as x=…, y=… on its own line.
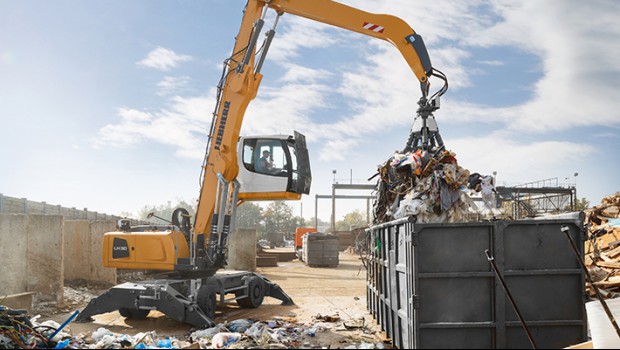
x=231, y=171
x=241, y=79
x=190, y=255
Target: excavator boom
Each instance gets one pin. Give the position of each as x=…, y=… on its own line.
x=233, y=171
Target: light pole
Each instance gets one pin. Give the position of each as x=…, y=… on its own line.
x=575, y=179
x=334, y=203
x=575, y=188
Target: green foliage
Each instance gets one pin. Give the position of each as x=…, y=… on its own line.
x=319, y=222
x=352, y=220
x=278, y=217
x=582, y=204
x=249, y=215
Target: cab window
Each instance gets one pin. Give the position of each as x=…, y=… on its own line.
x=265, y=156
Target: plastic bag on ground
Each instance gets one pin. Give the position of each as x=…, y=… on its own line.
x=240, y=326
x=223, y=339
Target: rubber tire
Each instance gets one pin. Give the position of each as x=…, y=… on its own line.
x=134, y=314
x=256, y=293
x=207, y=299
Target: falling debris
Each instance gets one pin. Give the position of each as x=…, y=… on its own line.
x=434, y=189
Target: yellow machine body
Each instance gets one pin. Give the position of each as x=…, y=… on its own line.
x=153, y=250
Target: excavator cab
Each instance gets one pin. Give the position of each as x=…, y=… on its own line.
x=274, y=167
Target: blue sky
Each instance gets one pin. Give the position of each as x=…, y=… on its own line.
x=105, y=104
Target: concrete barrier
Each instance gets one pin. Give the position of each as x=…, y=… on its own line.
x=31, y=251
x=97, y=271
x=18, y=301
x=77, y=250
x=242, y=250
x=84, y=251
x=39, y=252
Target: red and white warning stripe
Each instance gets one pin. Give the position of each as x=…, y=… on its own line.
x=375, y=28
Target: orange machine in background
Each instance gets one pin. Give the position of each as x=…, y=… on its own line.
x=299, y=234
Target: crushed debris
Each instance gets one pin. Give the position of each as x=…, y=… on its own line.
x=602, y=249
x=433, y=188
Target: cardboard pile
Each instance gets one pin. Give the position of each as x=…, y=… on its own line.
x=602, y=250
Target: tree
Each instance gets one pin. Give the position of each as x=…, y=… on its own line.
x=321, y=225
x=352, y=220
x=278, y=217
x=582, y=204
x=249, y=215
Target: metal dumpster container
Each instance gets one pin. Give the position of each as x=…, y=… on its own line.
x=431, y=285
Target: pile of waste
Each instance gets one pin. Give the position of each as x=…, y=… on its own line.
x=19, y=331
x=603, y=246
x=434, y=188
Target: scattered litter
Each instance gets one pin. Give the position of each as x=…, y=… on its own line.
x=355, y=323
x=223, y=339
x=19, y=331
x=365, y=345
x=327, y=318
x=239, y=326
x=100, y=333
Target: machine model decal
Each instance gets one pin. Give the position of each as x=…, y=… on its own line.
x=222, y=126
x=120, y=248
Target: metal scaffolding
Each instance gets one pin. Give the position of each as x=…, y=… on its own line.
x=538, y=198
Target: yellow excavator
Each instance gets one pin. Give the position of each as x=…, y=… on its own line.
x=189, y=255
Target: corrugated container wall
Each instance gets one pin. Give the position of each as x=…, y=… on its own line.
x=432, y=286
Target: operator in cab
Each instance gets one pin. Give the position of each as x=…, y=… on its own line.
x=264, y=164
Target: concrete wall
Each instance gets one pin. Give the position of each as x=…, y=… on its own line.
x=39, y=252
x=13, y=252
x=84, y=251
x=31, y=255
x=97, y=272
x=242, y=250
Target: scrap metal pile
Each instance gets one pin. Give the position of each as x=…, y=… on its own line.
x=431, y=186
x=603, y=246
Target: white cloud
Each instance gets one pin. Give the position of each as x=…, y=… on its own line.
x=580, y=71
x=297, y=73
x=518, y=161
x=183, y=124
x=131, y=115
x=163, y=59
x=296, y=33
x=171, y=85
x=495, y=63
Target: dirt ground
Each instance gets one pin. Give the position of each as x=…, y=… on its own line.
x=320, y=295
